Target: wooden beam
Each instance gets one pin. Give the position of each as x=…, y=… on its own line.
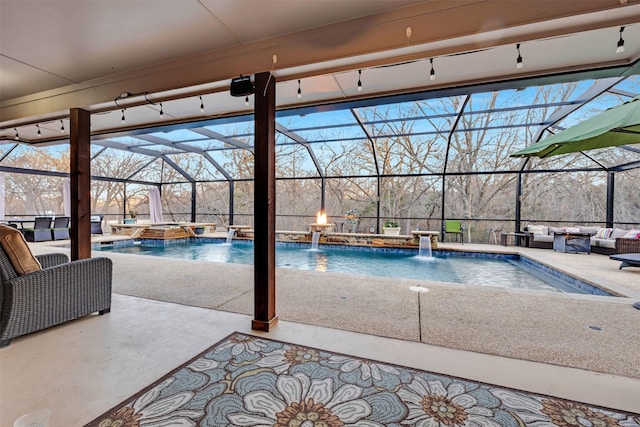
x=80, y=183
x=264, y=194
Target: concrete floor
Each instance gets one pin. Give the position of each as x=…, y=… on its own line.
x=82, y=368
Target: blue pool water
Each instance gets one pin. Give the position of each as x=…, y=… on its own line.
x=502, y=270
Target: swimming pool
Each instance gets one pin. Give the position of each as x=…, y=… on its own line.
x=472, y=268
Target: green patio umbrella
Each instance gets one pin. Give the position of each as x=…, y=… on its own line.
x=616, y=126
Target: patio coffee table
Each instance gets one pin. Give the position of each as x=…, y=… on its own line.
x=628, y=260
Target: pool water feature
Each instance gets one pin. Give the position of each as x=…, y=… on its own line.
x=501, y=270
x=424, y=250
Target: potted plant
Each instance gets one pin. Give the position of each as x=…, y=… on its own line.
x=133, y=214
x=391, y=228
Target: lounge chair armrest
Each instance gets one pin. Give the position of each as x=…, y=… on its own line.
x=66, y=281
x=626, y=245
x=49, y=260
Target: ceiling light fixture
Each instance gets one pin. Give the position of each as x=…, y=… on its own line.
x=17, y=137
x=359, y=80
x=432, y=73
x=201, y=105
x=299, y=90
x=39, y=133
x=519, y=58
x=161, y=111
x=61, y=126
x=620, y=47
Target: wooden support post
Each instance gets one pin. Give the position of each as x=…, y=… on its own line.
x=264, y=193
x=80, y=140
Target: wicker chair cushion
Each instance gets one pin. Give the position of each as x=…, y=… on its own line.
x=18, y=251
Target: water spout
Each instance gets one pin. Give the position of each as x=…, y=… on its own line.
x=315, y=238
x=230, y=234
x=424, y=250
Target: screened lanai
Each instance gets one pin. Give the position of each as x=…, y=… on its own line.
x=417, y=158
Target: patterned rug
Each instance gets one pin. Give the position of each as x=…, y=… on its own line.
x=250, y=381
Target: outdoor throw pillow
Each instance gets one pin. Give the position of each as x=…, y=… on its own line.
x=571, y=229
x=18, y=251
x=535, y=229
x=604, y=233
x=617, y=232
x=632, y=234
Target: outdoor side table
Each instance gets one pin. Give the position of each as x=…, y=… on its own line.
x=572, y=242
x=515, y=239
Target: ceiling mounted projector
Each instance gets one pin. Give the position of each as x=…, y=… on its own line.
x=241, y=86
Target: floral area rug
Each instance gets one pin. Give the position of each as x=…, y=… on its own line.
x=250, y=381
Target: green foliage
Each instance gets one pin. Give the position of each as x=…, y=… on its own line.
x=391, y=224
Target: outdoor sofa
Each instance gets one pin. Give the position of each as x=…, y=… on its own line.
x=41, y=291
x=606, y=241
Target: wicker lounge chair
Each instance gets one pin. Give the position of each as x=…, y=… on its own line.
x=41, y=231
x=60, y=230
x=61, y=291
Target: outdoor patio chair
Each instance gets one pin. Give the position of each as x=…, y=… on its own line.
x=41, y=231
x=60, y=230
x=96, y=224
x=454, y=226
x=46, y=290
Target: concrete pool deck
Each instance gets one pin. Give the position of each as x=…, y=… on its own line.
x=583, y=331
x=528, y=340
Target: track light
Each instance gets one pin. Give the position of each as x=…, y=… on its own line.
x=432, y=73
x=61, y=126
x=201, y=105
x=246, y=100
x=161, y=111
x=359, y=80
x=620, y=47
x=17, y=137
x=519, y=59
x=123, y=118
x=299, y=90
x=39, y=133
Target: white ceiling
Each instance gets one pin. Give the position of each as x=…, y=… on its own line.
x=56, y=55
x=51, y=43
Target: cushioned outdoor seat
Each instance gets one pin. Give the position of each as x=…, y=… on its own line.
x=37, y=292
x=96, y=224
x=41, y=231
x=454, y=226
x=60, y=230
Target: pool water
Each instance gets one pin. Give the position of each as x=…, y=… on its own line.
x=479, y=269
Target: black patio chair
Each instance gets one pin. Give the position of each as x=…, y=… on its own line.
x=96, y=224
x=41, y=231
x=60, y=230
